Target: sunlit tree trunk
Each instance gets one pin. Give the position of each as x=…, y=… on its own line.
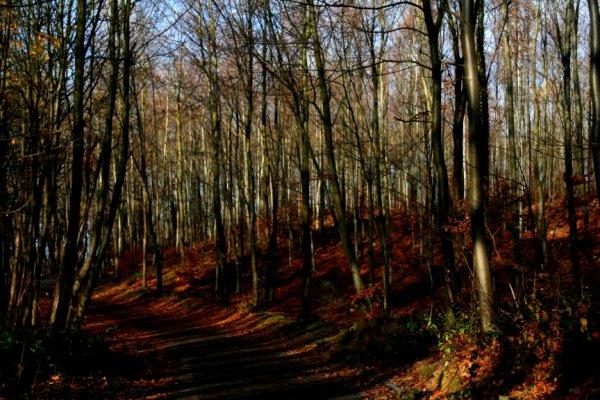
x=478, y=155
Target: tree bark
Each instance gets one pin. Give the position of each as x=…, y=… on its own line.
x=332, y=174
x=512, y=144
x=460, y=102
x=478, y=154
x=441, y=189
x=248, y=162
x=62, y=294
x=595, y=89
x=565, y=45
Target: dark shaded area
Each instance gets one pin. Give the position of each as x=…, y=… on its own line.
x=29, y=357
x=236, y=360
x=399, y=342
x=580, y=362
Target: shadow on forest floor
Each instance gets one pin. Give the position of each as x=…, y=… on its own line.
x=216, y=352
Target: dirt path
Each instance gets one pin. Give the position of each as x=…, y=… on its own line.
x=213, y=352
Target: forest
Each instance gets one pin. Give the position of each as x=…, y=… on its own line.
x=378, y=199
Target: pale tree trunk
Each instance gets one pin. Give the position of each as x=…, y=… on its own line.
x=478, y=153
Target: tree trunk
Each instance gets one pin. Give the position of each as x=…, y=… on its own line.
x=248, y=162
x=595, y=89
x=179, y=181
x=62, y=294
x=478, y=154
x=460, y=102
x=513, y=175
x=441, y=190
x=565, y=45
x=89, y=275
x=149, y=217
x=330, y=167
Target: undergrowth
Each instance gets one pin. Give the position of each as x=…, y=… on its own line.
x=384, y=339
x=30, y=356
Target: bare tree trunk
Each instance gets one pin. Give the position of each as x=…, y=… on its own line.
x=179, y=180
x=595, y=89
x=5, y=218
x=578, y=125
x=148, y=210
x=477, y=157
x=326, y=119
x=81, y=298
x=510, y=118
x=538, y=174
x=565, y=45
x=62, y=294
x=215, y=112
x=441, y=189
x=460, y=102
x=248, y=162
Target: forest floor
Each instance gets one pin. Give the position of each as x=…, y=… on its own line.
x=181, y=344
x=182, y=350
x=175, y=345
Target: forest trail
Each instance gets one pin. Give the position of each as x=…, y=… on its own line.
x=217, y=353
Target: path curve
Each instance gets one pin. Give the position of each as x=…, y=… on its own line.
x=216, y=353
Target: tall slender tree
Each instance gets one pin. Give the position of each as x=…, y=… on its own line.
x=478, y=154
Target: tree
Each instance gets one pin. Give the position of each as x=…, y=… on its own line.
x=564, y=40
x=441, y=188
x=62, y=297
x=478, y=155
x=595, y=89
x=512, y=142
x=330, y=167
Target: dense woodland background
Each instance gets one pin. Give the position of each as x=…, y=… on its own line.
x=251, y=132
